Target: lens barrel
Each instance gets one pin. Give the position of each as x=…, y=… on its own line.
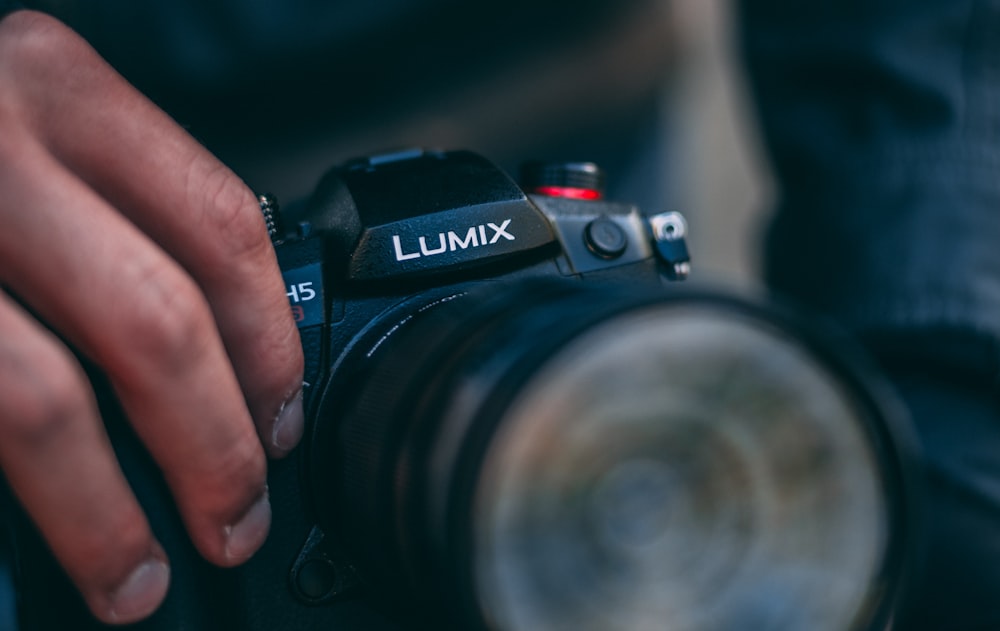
x=550, y=455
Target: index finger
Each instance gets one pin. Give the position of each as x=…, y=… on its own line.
x=191, y=204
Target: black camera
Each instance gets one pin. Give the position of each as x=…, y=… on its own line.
x=517, y=421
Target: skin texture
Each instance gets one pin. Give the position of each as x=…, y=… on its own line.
x=143, y=251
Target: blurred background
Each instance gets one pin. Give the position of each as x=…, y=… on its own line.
x=719, y=175
x=651, y=89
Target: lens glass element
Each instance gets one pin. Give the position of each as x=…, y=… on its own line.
x=681, y=468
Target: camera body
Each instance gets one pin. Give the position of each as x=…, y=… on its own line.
x=383, y=240
x=387, y=238
x=516, y=421
x=426, y=224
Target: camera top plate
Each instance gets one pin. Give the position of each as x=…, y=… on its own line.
x=423, y=213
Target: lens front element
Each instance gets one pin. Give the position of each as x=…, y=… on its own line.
x=681, y=467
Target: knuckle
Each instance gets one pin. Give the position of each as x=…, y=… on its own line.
x=168, y=320
x=231, y=213
x=233, y=478
x=35, y=40
x=113, y=545
x=284, y=357
x=46, y=399
x=242, y=467
x=38, y=52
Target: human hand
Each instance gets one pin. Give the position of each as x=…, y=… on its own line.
x=148, y=255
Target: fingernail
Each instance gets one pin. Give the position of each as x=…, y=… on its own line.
x=289, y=425
x=141, y=593
x=247, y=535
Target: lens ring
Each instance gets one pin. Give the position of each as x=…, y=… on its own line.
x=438, y=395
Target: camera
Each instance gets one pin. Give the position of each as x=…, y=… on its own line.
x=518, y=420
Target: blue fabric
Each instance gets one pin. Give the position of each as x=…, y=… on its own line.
x=882, y=118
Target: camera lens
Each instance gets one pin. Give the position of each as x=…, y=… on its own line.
x=557, y=457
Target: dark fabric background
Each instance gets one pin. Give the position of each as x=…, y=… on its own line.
x=883, y=124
